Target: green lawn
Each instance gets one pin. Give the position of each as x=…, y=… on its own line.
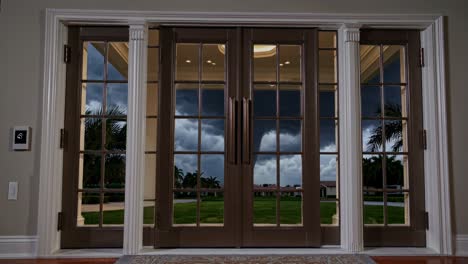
x=212, y=211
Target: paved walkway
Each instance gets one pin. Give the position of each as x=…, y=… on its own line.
x=120, y=205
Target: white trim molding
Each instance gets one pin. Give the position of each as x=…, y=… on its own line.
x=461, y=245
x=18, y=246
x=439, y=235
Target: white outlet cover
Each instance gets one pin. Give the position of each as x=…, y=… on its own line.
x=13, y=191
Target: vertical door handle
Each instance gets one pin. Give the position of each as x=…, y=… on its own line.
x=232, y=108
x=247, y=144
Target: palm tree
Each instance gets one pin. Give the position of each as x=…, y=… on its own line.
x=211, y=182
x=178, y=177
x=393, y=130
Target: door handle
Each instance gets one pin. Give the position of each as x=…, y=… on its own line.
x=232, y=108
x=247, y=113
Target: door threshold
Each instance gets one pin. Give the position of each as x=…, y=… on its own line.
x=89, y=253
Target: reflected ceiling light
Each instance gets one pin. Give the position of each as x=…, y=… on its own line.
x=208, y=61
x=281, y=64
x=188, y=61
x=260, y=51
x=287, y=62
x=214, y=63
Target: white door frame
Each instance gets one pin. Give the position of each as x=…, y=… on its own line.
x=439, y=235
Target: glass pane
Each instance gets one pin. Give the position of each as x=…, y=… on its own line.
x=372, y=172
x=212, y=134
x=88, y=209
x=151, y=134
x=187, y=61
x=116, y=134
x=290, y=136
x=186, y=99
x=290, y=63
x=398, y=211
x=290, y=100
x=264, y=208
x=152, y=99
x=212, y=100
x=373, y=208
x=185, y=208
x=185, y=171
x=91, y=98
x=328, y=135
x=93, y=60
x=115, y=171
x=186, y=134
x=395, y=134
x=327, y=39
x=92, y=129
x=327, y=104
x=370, y=64
x=150, y=177
x=372, y=135
x=117, y=99
x=264, y=135
x=265, y=172
x=90, y=171
x=264, y=100
x=395, y=101
x=329, y=212
x=153, y=64
x=290, y=173
x=117, y=61
x=212, y=171
x=212, y=63
x=212, y=208
x=291, y=208
x=394, y=64
x=397, y=172
x=328, y=176
x=148, y=213
x=265, y=57
x=113, y=209
x=370, y=101
x=327, y=66
x=153, y=37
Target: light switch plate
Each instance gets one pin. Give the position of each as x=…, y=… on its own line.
x=21, y=138
x=12, y=190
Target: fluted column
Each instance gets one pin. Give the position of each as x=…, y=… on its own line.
x=134, y=173
x=350, y=139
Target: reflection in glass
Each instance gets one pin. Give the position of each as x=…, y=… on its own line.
x=328, y=135
x=148, y=213
x=186, y=100
x=117, y=61
x=151, y=134
x=212, y=63
x=394, y=64
x=212, y=171
x=329, y=213
x=212, y=208
x=290, y=172
x=186, y=134
x=327, y=66
x=153, y=64
x=113, y=209
x=152, y=99
x=212, y=135
x=93, y=60
x=116, y=134
x=117, y=99
x=153, y=37
x=212, y=100
x=290, y=135
x=150, y=177
x=92, y=95
x=92, y=133
x=372, y=177
x=328, y=173
x=91, y=171
x=397, y=172
x=187, y=60
x=370, y=101
x=264, y=100
x=290, y=63
x=370, y=63
x=373, y=208
x=185, y=208
x=88, y=209
x=265, y=172
x=327, y=39
x=115, y=171
x=371, y=135
x=264, y=135
x=394, y=99
x=185, y=171
x=291, y=208
x=264, y=208
x=264, y=63
x=395, y=135
x=327, y=104
x=290, y=100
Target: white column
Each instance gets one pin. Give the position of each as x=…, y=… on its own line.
x=350, y=139
x=134, y=173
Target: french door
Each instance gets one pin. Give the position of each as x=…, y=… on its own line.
x=237, y=168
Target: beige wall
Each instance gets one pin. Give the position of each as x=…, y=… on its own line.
x=21, y=51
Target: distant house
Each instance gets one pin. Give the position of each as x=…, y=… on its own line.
x=327, y=189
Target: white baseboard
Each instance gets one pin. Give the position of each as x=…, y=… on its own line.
x=461, y=245
x=18, y=246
